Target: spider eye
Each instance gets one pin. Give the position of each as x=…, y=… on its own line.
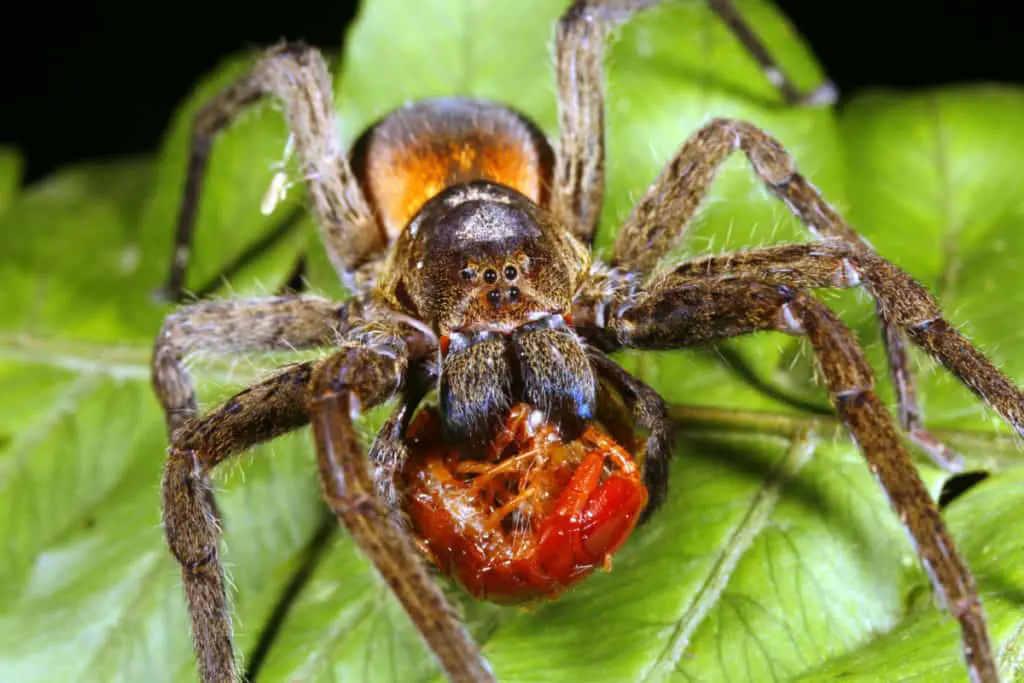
x=510, y=272
x=494, y=297
x=513, y=294
x=490, y=276
x=468, y=273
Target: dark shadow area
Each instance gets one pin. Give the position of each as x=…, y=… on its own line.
x=89, y=81
x=958, y=485
x=732, y=359
x=296, y=283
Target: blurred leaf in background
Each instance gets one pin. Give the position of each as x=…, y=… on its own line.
x=776, y=556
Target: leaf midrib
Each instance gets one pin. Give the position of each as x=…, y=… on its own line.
x=741, y=538
x=130, y=362
x=121, y=362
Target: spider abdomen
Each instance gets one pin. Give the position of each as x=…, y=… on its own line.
x=418, y=151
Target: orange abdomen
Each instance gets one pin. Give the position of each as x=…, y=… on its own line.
x=419, y=150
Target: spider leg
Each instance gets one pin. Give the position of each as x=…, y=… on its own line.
x=238, y=325
x=297, y=76
x=659, y=221
x=705, y=311
x=650, y=413
x=354, y=379
x=268, y=409
x=900, y=298
x=389, y=451
x=824, y=94
x=271, y=407
x=580, y=41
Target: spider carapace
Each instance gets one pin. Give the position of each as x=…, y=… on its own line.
x=511, y=485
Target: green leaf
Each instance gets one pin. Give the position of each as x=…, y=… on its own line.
x=947, y=200
x=10, y=176
x=91, y=593
x=776, y=555
x=229, y=220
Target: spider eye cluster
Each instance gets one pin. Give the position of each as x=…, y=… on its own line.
x=482, y=254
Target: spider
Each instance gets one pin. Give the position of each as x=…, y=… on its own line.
x=464, y=237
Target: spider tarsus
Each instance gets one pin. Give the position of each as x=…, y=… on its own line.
x=824, y=95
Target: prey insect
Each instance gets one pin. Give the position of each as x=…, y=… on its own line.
x=465, y=237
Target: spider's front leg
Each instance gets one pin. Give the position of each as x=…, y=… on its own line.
x=296, y=76
x=270, y=408
x=660, y=219
x=578, y=187
x=705, y=311
x=357, y=378
x=236, y=326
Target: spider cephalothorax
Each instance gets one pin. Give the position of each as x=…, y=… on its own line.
x=466, y=238
x=494, y=275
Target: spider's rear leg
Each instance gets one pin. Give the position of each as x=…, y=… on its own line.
x=296, y=76
x=659, y=221
x=702, y=312
x=824, y=94
x=901, y=299
x=350, y=381
x=268, y=409
x=580, y=39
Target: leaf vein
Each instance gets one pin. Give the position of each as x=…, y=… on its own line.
x=758, y=516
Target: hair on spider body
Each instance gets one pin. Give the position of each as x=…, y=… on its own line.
x=476, y=240
x=415, y=151
x=479, y=260
x=467, y=241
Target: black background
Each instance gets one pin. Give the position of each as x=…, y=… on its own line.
x=101, y=79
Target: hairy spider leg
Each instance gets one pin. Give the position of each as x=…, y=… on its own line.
x=660, y=220
x=700, y=311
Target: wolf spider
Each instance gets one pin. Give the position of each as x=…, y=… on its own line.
x=464, y=236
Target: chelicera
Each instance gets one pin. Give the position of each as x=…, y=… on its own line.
x=518, y=456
